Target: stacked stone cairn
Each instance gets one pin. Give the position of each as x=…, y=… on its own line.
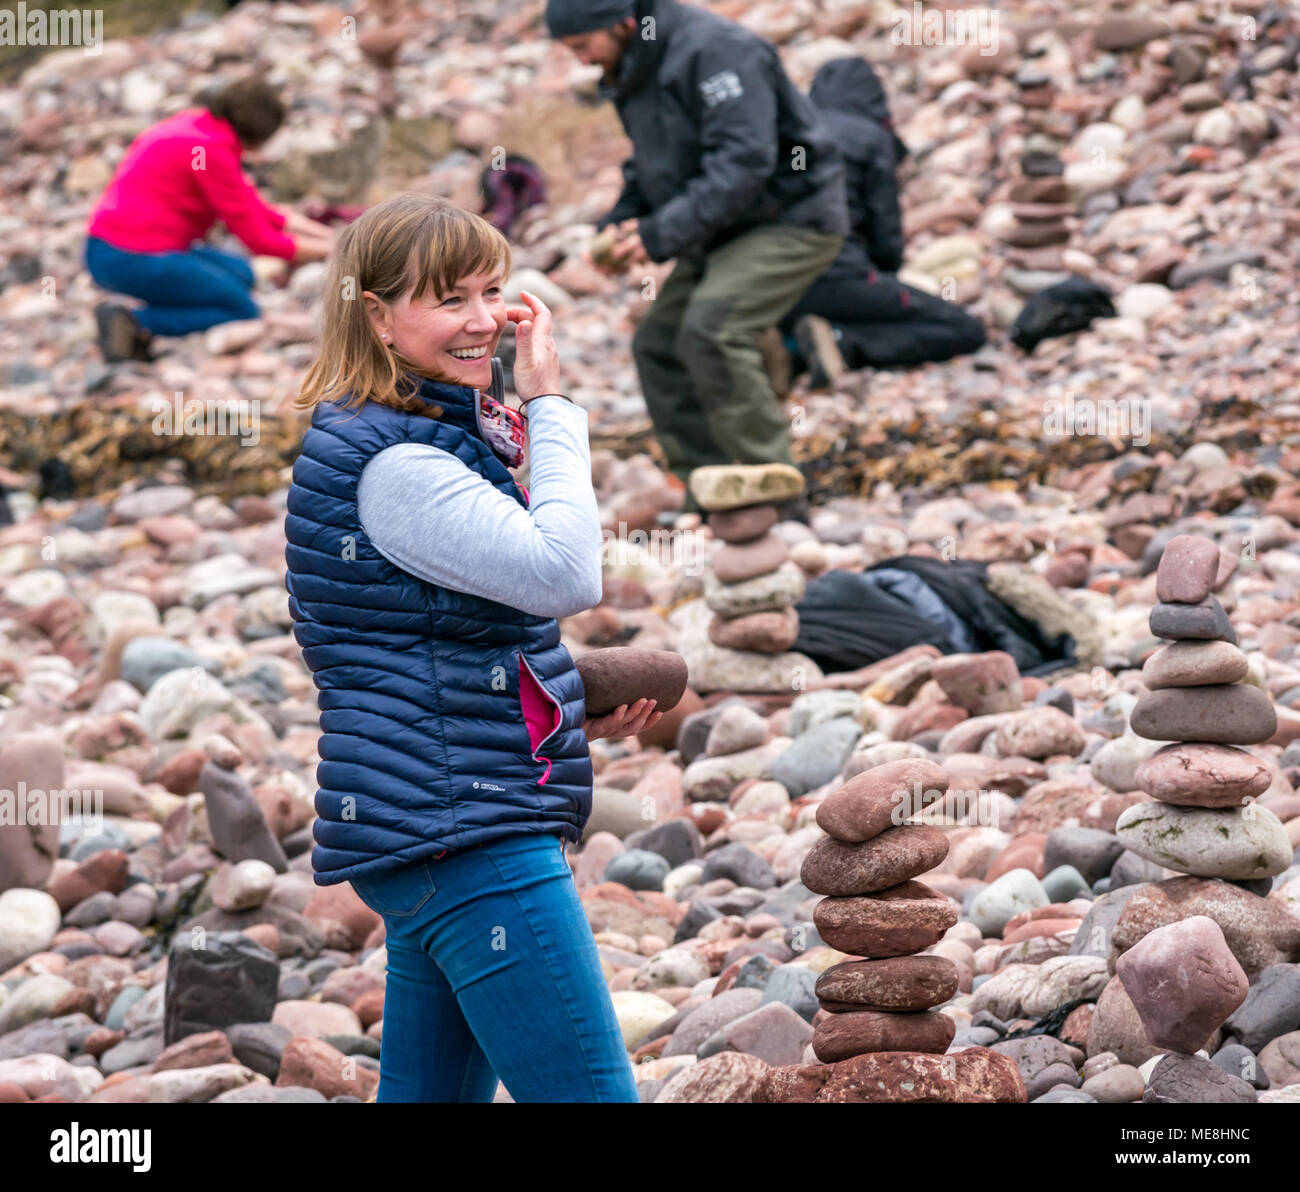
x=1183, y=978
x=1204, y=820
x=1038, y=225
x=877, y=1035
x=752, y=584
x=1040, y=204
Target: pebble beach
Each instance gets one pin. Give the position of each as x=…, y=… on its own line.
x=931, y=878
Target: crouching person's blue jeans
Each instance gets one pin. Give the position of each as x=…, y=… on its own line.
x=184, y=291
x=493, y=972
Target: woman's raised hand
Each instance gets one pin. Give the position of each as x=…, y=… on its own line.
x=537, y=362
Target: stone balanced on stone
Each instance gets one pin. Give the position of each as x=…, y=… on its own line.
x=1184, y=982
x=751, y=584
x=1182, y=978
x=877, y=1034
x=1205, y=820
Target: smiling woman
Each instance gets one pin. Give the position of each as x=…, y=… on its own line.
x=428, y=277
x=425, y=584
x=450, y=337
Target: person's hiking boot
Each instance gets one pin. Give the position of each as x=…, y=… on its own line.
x=818, y=346
x=120, y=336
x=776, y=361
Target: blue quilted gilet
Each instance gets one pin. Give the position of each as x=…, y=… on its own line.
x=424, y=747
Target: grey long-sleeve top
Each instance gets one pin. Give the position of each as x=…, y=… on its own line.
x=429, y=514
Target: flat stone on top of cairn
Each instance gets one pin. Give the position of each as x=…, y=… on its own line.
x=881, y=798
x=1205, y=821
x=1187, y=570
x=731, y=486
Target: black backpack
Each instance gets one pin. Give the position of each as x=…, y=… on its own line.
x=1068, y=306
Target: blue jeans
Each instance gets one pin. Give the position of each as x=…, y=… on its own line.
x=184, y=291
x=493, y=972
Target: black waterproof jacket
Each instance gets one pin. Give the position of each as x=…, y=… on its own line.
x=852, y=103
x=722, y=141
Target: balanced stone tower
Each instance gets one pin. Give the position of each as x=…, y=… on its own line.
x=875, y=910
x=877, y=1034
x=1205, y=820
x=1183, y=978
x=752, y=584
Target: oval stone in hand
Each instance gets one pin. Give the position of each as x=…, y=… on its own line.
x=623, y=675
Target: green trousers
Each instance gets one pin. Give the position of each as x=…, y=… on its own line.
x=697, y=350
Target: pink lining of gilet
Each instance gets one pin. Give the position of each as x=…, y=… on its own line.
x=541, y=713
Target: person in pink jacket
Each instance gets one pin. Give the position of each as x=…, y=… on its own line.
x=177, y=179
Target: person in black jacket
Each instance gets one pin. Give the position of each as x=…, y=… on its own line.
x=733, y=175
x=874, y=319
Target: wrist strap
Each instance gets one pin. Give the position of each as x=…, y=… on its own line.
x=523, y=405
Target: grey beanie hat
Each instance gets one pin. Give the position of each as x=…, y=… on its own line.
x=568, y=18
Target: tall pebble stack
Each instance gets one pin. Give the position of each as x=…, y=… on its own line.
x=1205, y=820
x=752, y=585
x=877, y=1028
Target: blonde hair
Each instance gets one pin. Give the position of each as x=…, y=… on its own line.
x=410, y=242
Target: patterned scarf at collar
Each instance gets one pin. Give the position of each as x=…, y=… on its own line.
x=501, y=428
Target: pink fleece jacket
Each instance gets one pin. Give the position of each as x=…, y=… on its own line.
x=177, y=179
